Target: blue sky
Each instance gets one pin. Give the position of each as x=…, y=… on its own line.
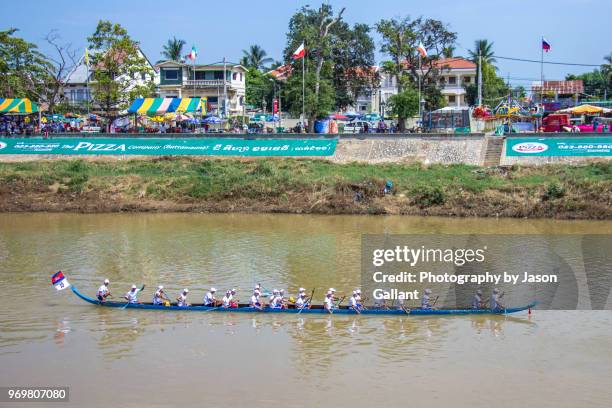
x=580, y=31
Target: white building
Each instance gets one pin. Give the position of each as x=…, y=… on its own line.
x=210, y=81
x=76, y=90
x=455, y=74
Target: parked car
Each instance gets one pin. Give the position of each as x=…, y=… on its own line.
x=358, y=126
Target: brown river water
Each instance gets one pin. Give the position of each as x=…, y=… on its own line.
x=132, y=358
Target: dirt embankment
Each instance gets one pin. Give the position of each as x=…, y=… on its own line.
x=307, y=186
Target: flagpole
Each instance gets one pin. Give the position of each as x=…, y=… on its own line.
x=87, y=80
x=542, y=71
x=419, y=75
x=303, y=94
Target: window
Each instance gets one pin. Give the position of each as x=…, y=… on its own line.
x=452, y=80
x=218, y=74
x=467, y=80
x=171, y=73
x=143, y=76
x=452, y=99
x=234, y=76
x=241, y=78
x=200, y=75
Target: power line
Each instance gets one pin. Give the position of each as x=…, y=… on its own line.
x=546, y=62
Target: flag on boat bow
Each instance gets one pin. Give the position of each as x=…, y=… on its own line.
x=59, y=281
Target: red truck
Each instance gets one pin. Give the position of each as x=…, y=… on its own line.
x=556, y=122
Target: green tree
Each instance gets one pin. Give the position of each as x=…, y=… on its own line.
x=400, y=39
x=24, y=70
x=116, y=63
x=313, y=27
x=597, y=83
x=255, y=57
x=449, y=52
x=173, y=49
x=483, y=48
x=353, y=60
x=259, y=88
x=405, y=104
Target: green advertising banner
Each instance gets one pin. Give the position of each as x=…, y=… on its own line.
x=204, y=147
x=559, y=146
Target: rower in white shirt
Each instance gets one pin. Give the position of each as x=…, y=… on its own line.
x=132, y=295
x=255, y=300
x=277, y=301
x=272, y=298
x=209, y=298
x=182, y=299
x=425, y=300
x=104, y=291
x=354, y=303
x=329, y=302
x=495, y=303
x=227, y=299
x=300, y=302
x=160, y=296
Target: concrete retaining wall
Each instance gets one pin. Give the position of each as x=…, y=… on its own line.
x=426, y=149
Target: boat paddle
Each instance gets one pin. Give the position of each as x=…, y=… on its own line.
x=308, y=302
x=435, y=300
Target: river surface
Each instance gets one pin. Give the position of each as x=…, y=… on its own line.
x=131, y=358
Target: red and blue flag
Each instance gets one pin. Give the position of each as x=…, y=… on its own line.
x=59, y=281
x=545, y=45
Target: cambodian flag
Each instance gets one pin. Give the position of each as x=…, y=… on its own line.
x=545, y=45
x=59, y=281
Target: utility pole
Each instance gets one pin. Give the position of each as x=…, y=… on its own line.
x=479, y=78
x=224, y=88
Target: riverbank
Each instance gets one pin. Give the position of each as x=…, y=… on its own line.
x=306, y=186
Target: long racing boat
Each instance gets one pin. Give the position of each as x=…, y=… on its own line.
x=315, y=309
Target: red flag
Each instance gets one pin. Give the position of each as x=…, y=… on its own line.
x=276, y=106
x=299, y=53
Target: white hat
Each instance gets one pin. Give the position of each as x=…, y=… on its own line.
x=332, y=289
x=106, y=281
x=160, y=287
x=186, y=290
x=275, y=291
x=213, y=289
x=256, y=292
x=282, y=291
x=479, y=292
x=302, y=290
x=233, y=290
x=428, y=291
x=354, y=292
x=229, y=291
x=133, y=286
x=358, y=290
x=257, y=286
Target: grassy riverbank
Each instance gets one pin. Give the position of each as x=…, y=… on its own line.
x=306, y=186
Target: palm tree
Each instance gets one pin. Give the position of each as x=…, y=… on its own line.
x=448, y=52
x=255, y=57
x=173, y=49
x=484, y=48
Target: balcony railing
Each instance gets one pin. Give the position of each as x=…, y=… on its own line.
x=204, y=83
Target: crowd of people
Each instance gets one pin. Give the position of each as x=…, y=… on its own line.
x=277, y=299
